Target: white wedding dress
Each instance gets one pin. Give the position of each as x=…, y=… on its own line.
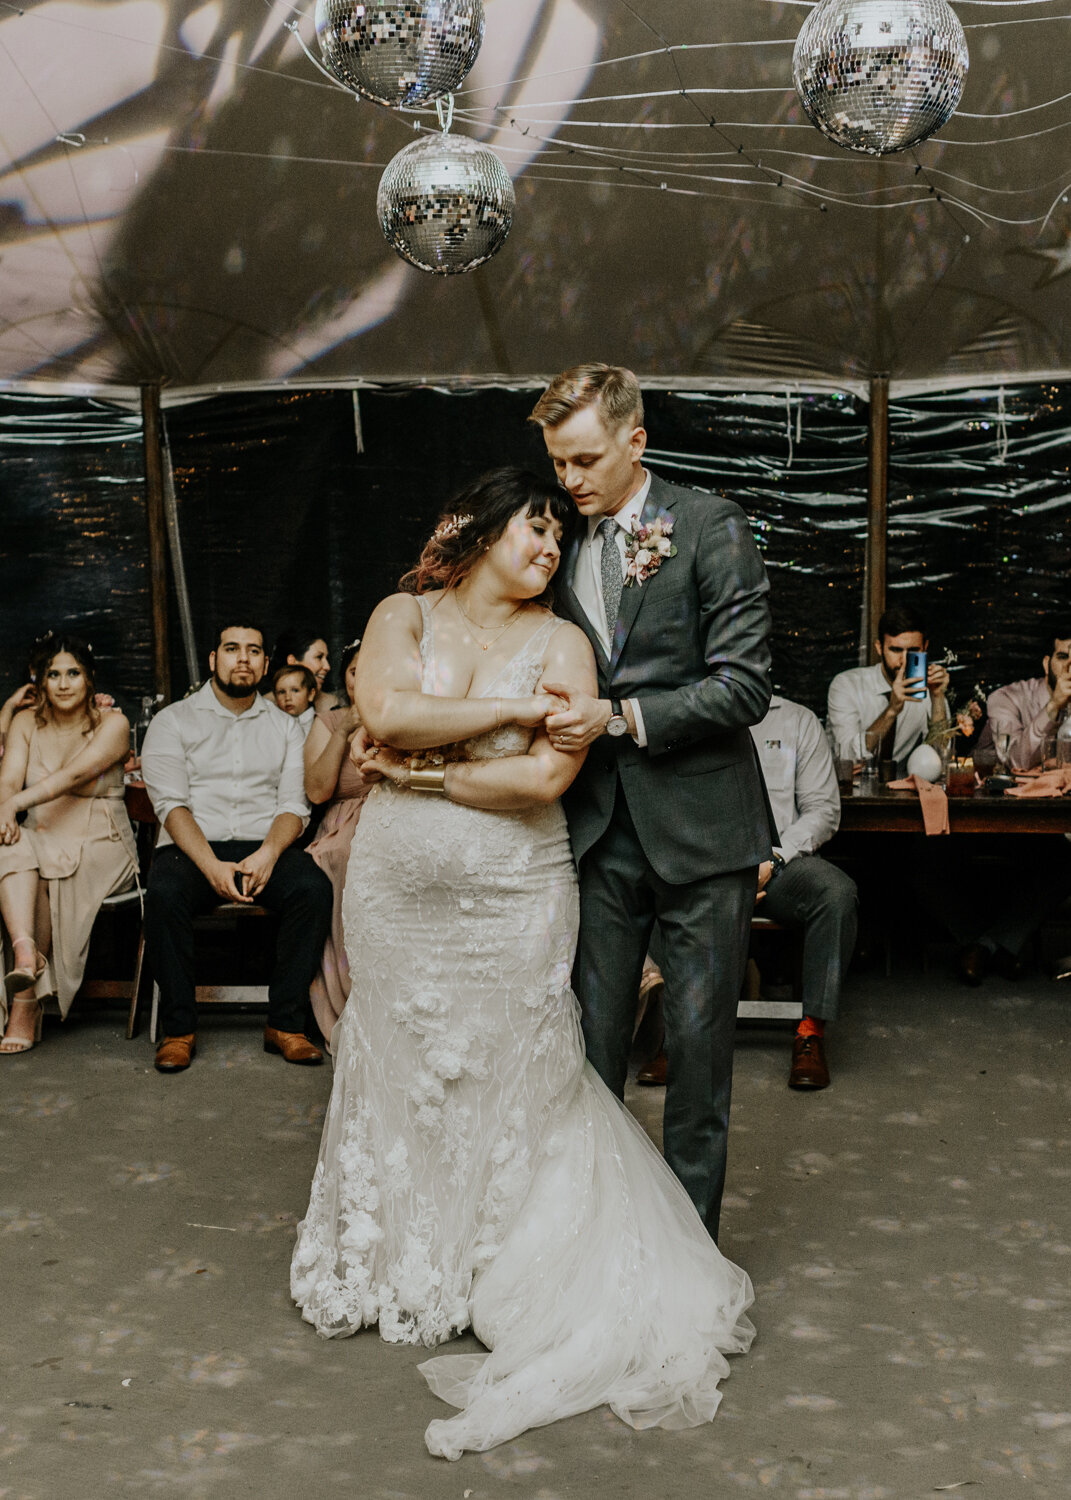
x=474, y=1170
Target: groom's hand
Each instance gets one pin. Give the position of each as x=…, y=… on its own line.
x=581, y=722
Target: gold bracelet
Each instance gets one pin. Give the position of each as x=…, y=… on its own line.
x=429, y=779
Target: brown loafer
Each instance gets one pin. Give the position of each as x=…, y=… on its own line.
x=809, y=1069
x=294, y=1046
x=175, y=1053
x=653, y=1073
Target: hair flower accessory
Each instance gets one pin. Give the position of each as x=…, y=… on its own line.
x=645, y=549
x=450, y=526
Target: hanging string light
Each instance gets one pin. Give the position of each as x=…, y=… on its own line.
x=403, y=54
x=445, y=203
x=880, y=75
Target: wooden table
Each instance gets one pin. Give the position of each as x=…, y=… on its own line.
x=882, y=811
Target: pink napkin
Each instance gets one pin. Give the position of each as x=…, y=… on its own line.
x=1043, y=784
x=932, y=799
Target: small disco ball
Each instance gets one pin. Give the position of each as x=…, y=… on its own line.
x=445, y=204
x=880, y=75
x=400, y=54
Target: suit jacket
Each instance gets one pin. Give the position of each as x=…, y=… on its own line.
x=691, y=644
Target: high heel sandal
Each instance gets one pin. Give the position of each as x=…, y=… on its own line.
x=12, y=1046
x=22, y=977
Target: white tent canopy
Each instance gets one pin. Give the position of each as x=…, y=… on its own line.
x=186, y=201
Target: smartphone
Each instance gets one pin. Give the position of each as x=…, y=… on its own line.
x=915, y=666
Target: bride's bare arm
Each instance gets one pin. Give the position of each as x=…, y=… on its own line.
x=513, y=782
x=392, y=707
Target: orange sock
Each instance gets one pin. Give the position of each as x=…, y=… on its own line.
x=811, y=1026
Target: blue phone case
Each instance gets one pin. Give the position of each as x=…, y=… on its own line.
x=916, y=667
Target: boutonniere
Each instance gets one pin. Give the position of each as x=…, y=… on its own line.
x=645, y=549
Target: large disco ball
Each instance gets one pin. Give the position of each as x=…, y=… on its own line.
x=400, y=54
x=445, y=204
x=880, y=75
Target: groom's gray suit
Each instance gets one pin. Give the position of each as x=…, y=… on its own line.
x=675, y=831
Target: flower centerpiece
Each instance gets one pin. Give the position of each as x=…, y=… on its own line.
x=958, y=721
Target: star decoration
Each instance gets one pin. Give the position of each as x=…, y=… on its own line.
x=1059, y=258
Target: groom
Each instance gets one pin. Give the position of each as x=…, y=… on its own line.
x=669, y=817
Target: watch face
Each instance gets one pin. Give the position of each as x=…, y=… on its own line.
x=618, y=725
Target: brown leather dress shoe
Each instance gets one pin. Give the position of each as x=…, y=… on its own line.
x=809, y=1069
x=653, y=1074
x=175, y=1053
x=971, y=964
x=294, y=1046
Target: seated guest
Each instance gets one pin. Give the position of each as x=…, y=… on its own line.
x=63, y=767
x=304, y=648
x=334, y=782
x=294, y=691
x=1030, y=711
x=1038, y=868
x=879, y=701
x=224, y=770
x=798, y=888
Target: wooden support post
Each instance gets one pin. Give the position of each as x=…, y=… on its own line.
x=877, y=517
x=154, y=511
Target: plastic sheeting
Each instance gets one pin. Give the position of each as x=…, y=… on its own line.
x=285, y=518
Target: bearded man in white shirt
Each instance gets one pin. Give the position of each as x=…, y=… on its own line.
x=892, y=710
x=225, y=773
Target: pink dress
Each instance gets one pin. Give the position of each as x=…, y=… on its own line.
x=331, y=851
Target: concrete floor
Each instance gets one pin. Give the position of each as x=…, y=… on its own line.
x=908, y=1232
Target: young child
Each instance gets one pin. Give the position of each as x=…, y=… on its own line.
x=294, y=690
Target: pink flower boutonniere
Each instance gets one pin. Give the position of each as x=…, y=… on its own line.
x=645, y=549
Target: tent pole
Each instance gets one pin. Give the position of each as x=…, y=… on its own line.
x=154, y=511
x=877, y=516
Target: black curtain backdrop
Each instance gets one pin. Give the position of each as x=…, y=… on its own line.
x=285, y=519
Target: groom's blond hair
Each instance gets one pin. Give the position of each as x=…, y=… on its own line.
x=615, y=390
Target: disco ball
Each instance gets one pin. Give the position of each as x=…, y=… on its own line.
x=880, y=75
x=445, y=204
x=400, y=54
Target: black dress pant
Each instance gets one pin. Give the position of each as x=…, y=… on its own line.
x=298, y=891
x=705, y=926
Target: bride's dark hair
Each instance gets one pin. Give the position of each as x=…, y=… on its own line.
x=475, y=520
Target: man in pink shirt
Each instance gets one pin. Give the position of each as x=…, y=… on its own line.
x=1030, y=710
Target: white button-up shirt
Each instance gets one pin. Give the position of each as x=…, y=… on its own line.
x=861, y=695
x=800, y=776
x=587, y=576
x=234, y=772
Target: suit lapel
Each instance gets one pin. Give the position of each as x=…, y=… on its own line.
x=659, y=502
x=571, y=605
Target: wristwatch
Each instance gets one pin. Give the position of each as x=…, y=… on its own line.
x=617, y=724
x=778, y=862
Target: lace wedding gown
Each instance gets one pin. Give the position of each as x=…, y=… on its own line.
x=474, y=1170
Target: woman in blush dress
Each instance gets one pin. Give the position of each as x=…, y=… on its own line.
x=332, y=778
x=474, y=1170
x=63, y=767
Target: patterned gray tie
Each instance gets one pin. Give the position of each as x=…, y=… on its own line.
x=611, y=572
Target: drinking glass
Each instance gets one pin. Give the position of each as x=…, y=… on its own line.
x=1002, y=745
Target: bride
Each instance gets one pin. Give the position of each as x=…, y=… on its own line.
x=474, y=1170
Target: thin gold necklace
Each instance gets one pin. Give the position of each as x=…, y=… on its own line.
x=477, y=626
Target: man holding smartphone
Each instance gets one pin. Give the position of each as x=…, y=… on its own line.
x=225, y=772
x=894, y=701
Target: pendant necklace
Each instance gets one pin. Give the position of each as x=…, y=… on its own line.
x=476, y=625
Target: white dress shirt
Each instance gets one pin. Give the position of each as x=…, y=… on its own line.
x=800, y=777
x=234, y=772
x=861, y=695
x=587, y=576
